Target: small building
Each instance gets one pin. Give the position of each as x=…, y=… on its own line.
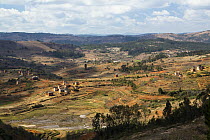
x=35, y=78
x=200, y=67
x=180, y=75
x=20, y=72
x=76, y=83
x=64, y=83
x=55, y=88
x=61, y=90
x=64, y=92
x=193, y=69
x=176, y=73
x=76, y=88
x=17, y=82
x=49, y=93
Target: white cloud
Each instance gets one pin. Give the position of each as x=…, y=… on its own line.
x=21, y=2
x=103, y=16
x=162, y=19
x=196, y=4
x=159, y=13
x=197, y=15
x=139, y=4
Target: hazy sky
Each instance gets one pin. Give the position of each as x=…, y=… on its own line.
x=104, y=16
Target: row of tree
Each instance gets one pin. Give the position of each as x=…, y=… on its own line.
x=65, y=53
x=124, y=82
x=140, y=66
x=192, y=53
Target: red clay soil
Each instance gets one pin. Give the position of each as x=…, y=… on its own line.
x=33, y=131
x=155, y=97
x=158, y=72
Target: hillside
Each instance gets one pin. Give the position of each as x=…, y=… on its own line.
x=8, y=132
x=39, y=57
x=195, y=130
x=193, y=37
x=29, y=48
x=153, y=45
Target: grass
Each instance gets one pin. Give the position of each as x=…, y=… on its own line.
x=28, y=115
x=6, y=102
x=85, y=104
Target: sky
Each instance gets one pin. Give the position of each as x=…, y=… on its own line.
x=104, y=16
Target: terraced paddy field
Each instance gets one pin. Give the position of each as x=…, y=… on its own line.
x=96, y=90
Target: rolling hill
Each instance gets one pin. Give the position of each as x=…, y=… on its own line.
x=71, y=39
x=29, y=48
x=203, y=36
x=153, y=45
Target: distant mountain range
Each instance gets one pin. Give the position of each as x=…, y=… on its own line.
x=98, y=39
x=71, y=39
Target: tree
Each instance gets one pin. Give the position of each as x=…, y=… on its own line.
x=186, y=102
x=124, y=114
x=145, y=112
x=124, y=68
x=167, y=109
x=160, y=91
x=96, y=122
x=207, y=118
x=159, y=68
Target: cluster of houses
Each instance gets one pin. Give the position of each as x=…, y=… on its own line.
x=178, y=73
x=20, y=72
x=198, y=68
x=193, y=69
x=64, y=89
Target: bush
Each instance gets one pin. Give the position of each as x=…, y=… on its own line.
x=37, y=106
x=160, y=91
